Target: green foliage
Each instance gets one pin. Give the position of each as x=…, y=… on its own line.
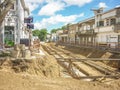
x=40, y=33
x=53, y=30
x=43, y=34
x=65, y=27
x=36, y=32
x=9, y=43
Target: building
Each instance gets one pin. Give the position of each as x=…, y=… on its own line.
x=71, y=33
x=107, y=27
x=13, y=27
x=85, y=34
x=63, y=37
x=102, y=30
x=48, y=37
x=55, y=36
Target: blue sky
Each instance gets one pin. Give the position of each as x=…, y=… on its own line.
x=56, y=13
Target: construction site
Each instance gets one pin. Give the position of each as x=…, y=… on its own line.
x=59, y=67
x=67, y=64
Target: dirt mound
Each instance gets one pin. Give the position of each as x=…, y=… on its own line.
x=12, y=81
x=40, y=66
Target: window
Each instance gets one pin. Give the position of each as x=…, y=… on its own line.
x=97, y=24
x=101, y=23
x=107, y=22
x=113, y=21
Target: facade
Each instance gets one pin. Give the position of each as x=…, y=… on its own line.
x=48, y=37
x=102, y=30
x=85, y=34
x=13, y=27
x=53, y=37
x=58, y=32
x=71, y=33
x=63, y=37
x=107, y=27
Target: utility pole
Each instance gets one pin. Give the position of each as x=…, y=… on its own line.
x=30, y=38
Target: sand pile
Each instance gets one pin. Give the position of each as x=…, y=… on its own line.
x=40, y=66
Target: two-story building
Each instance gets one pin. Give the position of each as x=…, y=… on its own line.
x=13, y=27
x=63, y=37
x=71, y=33
x=85, y=33
x=107, y=27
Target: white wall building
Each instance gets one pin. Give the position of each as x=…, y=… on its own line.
x=107, y=27
x=13, y=27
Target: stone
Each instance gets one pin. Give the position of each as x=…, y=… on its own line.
x=27, y=54
x=22, y=47
x=16, y=53
x=16, y=47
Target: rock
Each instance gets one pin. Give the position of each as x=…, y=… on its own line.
x=16, y=47
x=16, y=53
x=27, y=54
x=22, y=47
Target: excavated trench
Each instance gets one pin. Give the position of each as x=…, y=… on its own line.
x=47, y=66
x=77, y=72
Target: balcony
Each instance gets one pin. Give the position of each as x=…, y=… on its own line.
x=86, y=32
x=104, y=29
x=111, y=28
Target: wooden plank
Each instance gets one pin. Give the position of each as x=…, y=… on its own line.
x=89, y=59
x=97, y=59
x=94, y=77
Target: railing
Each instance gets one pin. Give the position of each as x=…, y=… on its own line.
x=63, y=33
x=93, y=45
x=91, y=31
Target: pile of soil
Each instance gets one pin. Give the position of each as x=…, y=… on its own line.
x=41, y=66
x=12, y=81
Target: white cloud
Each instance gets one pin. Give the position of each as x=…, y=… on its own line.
x=77, y=2
x=118, y=6
x=51, y=8
x=102, y=4
x=56, y=19
x=33, y=4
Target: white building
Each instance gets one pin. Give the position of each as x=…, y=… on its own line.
x=107, y=27
x=13, y=27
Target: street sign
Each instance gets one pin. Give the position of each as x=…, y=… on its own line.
x=28, y=20
x=30, y=26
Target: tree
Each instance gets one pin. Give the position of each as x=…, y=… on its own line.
x=53, y=30
x=64, y=27
x=42, y=34
x=36, y=32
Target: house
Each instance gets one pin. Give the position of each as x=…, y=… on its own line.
x=107, y=27
x=58, y=38
x=71, y=33
x=48, y=37
x=13, y=27
x=85, y=34
x=63, y=37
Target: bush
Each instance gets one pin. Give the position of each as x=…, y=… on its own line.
x=9, y=43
